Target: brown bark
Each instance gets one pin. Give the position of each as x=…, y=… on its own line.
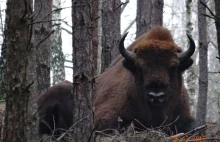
x=203, y=66
x=17, y=42
x=111, y=12
x=42, y=42
x=83, y=69
x=149, y=13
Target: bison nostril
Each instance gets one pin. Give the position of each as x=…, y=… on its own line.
x=156, y=98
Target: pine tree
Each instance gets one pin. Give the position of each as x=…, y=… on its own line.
x=17, y=45
x=111, y=12
x=83, y=68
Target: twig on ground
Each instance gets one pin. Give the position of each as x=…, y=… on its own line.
x=167, y=124
x=64, y=134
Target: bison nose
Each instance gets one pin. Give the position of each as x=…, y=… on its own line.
x=158, y=94
x=156, y=98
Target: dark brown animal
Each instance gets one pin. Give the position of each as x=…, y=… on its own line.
x=145, y=85
x=55, y=107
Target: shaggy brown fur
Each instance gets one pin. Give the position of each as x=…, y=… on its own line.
x=55, y=107
x=120, y=88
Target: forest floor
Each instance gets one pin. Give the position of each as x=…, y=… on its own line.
x=212, y=133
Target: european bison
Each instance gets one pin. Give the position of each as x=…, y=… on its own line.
x=145, y=85
x=55, y=107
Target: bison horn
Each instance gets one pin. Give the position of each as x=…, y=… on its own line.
x=125, y=53
x=189, y=52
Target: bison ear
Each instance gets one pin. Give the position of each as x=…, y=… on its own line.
x=129, y=65
x=184, y=65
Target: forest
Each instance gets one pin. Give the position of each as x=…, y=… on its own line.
x=109, y=70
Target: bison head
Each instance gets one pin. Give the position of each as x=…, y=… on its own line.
x=157, y=65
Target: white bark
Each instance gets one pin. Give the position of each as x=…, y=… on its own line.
x=57, y=59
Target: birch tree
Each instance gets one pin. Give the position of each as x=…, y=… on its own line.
x=190, y=73
x=57, y=58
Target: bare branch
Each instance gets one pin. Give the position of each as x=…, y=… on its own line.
x=210, y=11
x=213, y=44
x=38, y=22
x=167, y=124
x=124, y=5
x=209, y=16
x=129, y=26
x=44, y=38
x=69, y=32
x=214, y=72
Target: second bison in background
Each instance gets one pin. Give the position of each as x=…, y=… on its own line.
x=55, y=107
x=145, y=85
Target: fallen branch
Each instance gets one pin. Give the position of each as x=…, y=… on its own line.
x=189, y=133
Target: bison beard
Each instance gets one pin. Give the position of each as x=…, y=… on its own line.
x=146, y=84
x=143, y=84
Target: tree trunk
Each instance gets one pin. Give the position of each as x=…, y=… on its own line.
x=203, y=67
x=217, y=24
x=190, y=73
x=17, y=44
x=2, y=61
x=42, y=42
x=57, y=59
x=149, y=13
x=111, y=12
x=95, y=36
x=83, y=69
